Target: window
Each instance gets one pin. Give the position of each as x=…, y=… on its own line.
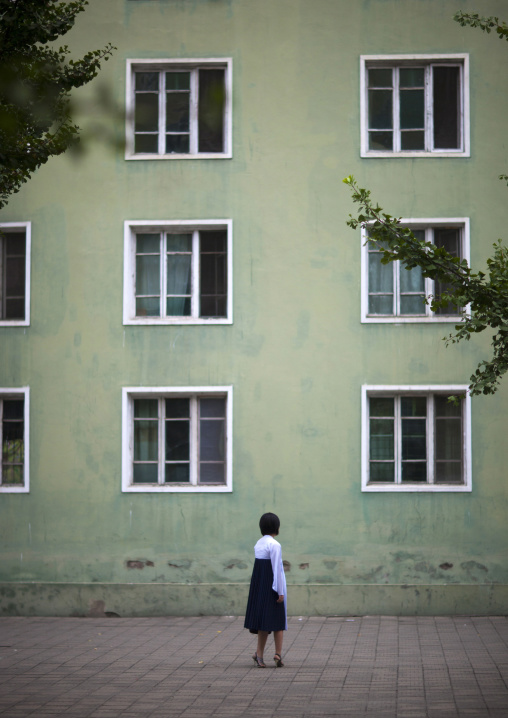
x=178, y=272
x=391, y=293
x=413, y=105
x=14, y=413
x=178, y=109
x=414, y=439
x=177, y=439
x=15, y=274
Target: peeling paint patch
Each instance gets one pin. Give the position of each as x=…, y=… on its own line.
x=303, y=566
x=184, y=563
x=471, y=565
x=446, y=566
x=236, y=563
x=139, y=563
x=287, y=566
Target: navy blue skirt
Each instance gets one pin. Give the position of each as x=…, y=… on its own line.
x=263, y=612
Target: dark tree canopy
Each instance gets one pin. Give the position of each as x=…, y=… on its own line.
x=36, y=78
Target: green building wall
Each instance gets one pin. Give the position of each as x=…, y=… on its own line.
x=296, y=353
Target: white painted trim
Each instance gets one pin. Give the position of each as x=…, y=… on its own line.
x=380, y=389
x=413, y=223
x=27, y=226
x=459, y=58
x=225, y=63
x=25, y=392
x=129, y=277
x=127, y=448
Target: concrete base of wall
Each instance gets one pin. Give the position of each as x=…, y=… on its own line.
x=173, y=599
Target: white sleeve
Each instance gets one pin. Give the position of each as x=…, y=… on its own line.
x=278, y=569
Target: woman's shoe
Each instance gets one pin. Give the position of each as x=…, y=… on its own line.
x=258, y=661
x=278, y=661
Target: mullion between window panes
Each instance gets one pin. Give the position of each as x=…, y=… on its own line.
x=429, y=110
x=397, y=440
x=163, y=273
x=396, y=110
x=396, y=288
x=3, y=279
x=161, y=428
x=431, y=437
x=194, y=441
x=162, y=113
x=195, y=275
x=193, y=110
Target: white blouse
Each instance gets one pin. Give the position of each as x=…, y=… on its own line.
x=268, y=547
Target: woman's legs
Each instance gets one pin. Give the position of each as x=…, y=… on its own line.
x=262, y=636
x=278, y=636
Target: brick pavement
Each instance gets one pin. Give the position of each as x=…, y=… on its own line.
x=384, y=667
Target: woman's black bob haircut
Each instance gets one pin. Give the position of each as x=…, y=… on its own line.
x=269, y=524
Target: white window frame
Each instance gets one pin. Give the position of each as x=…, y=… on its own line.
x=133, y=227
x=27, y=228
x=427, y=224
x=390, y=61
x=18, y=393
x=225, y=63
x=416, y=390
x=131, y=393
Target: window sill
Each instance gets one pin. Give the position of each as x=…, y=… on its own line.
x=178, y=488
x=14, y=490
x=14, y=323
x=414, y=488
x=175, y=321
x=414, y=153
x=186, y=156
x=449, y=319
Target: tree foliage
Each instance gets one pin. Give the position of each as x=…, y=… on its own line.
x=481, y=297
x=36, y=78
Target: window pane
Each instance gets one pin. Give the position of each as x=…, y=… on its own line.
x=179, y=242
x=211, y=440
x=381, y=304
x=414, y=140
x=411, y=77
x=413, y=406
x=380, y=140
x=147, y=81
x=145, y=409
x=449, y=472
x=382, y=472
x=147, y=244
x=449, y=439
x=146, y=441
x=15, y=276
x=412, y=106
x=177, y=112
x=213, y=281
x=177, y=473
x=213, y=241
x=414, y=439
x=148, y=306
x=412, y=304
x=178, y=307
x=177, y=440
x=443, y=407
x=179, y=274
x=145, y=474
x=380, y=109
x=146, y=144
x=414, y=472
x=381, y=406
x=146, y=115
x=147, y=274
x=177, y=80
x=381, y=439
x=177, y=408
x=211, y=473
x=212, y=98
x=380, y=275
x=177, y=144
x=446, y=97
x=380, y=77
x=411, y=280
x=14, y=409
x=212, y=408
x=449, y=239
